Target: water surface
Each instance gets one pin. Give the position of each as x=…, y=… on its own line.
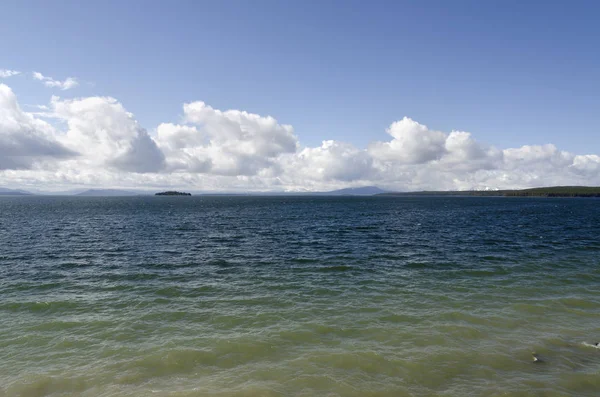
x=299, y=296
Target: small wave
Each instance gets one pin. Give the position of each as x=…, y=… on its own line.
x=219, y=263
x=186, y=228
x=493, y=258
x=170, y=292
x=117, y=277
x=304, y=260
x=321, y=269
x=73, y=265
x=388, y=257
x=364, y=228
x=172, y=266
x=43, y=385
x=486, y=272
x=37, y=287
x=417, y=265
x=336, y=268
x=578, y=303
x=39, y=306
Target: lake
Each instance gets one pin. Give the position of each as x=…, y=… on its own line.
x=299, y=296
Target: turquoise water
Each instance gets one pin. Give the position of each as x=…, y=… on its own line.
x=282, y=296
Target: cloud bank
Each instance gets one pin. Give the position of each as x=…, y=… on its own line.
x=96, y=142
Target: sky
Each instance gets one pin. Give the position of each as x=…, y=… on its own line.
x=299, y=96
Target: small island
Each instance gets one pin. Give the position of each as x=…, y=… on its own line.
x=173, y=193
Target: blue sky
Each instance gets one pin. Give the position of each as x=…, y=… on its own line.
x=512, y=73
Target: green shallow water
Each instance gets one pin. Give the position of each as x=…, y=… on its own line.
x=243, y=296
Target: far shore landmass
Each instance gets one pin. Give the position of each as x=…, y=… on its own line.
x=173, y=193
x=554, y=191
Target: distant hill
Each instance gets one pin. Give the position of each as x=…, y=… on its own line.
x=352, y=191
x=357, y=191
x=14, y=192
x=108, y=193
x=552, y=191
x=70, y=192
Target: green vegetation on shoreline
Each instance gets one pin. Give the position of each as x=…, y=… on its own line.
x=554, y=191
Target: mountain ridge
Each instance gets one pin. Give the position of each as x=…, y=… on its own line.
x=14, y=192
x=109, y=193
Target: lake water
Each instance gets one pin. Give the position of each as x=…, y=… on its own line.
x=299, y=296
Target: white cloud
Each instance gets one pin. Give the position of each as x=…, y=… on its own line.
x=230, y=142
x=586, y=164
x=184, y=147
x=25, y=141
x=332, y=161
x=67, y=84
x=107, y=135
x=413, y=143
x=96, y=142
x=5, y=73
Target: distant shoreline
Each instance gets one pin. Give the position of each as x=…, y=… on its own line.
x=555, y=191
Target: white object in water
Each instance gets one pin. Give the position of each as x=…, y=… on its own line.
x=594, y=345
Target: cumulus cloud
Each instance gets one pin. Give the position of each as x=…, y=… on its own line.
x=332, y=161
x=586, y=164
x=185, y=148
x=25, y=140
x=412, y=143
x=229, y=143
x=107, y=135
x=96, y=142
x=67, y=84
x=5, y=73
